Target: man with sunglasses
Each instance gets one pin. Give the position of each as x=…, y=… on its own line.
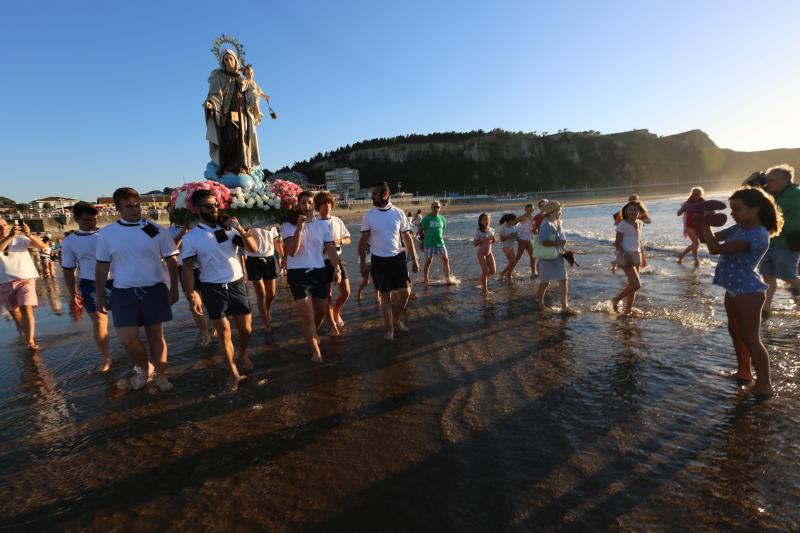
x=79, y=251
x=140, y=298
x=433, y=226
x=18, y=277
x=214, y=247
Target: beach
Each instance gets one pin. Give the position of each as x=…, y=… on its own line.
x=488, y=415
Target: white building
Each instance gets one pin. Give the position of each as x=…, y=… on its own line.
x=53, y=202
x=343, y=182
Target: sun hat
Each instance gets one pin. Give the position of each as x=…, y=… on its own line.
x=551, y=207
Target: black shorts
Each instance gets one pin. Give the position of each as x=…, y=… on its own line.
x=390, y=273
x=329, y=270
x=223, y=299
x=312, y=282
x=196, y=279
x=261, y=268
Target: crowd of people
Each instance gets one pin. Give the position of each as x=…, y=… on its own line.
x=133, y=268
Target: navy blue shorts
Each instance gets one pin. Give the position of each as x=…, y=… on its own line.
x=140, y=306
x=87, y=288
x=223, y=299
x=312, y=282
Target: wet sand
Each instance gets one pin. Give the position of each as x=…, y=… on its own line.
x=488, y=416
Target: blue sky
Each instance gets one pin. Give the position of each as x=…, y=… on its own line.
x=104, y=94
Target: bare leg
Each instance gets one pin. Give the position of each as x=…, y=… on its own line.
x=540, y=292
x=744, y=370
x=563, y=289
x=509, y=270
x=132, y=344
x=748, y=313
x=29, y=326
x=482, y=260
x=426, y=269
x=223, y=329
x=386, y=311
x=305, y=310
x=16, y=314
x=245, y=330
x=446, y=268
x=400, y=300
x=158, y=354
x=101, y=338
x=634, y=284
x=341, y=298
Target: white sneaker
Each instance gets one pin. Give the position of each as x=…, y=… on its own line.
x=138, y=380
x=162, y=383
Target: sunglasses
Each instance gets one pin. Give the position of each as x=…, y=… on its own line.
x=436, y=207
x=209, y=206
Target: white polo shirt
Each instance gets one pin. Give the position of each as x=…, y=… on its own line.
x=79, y=250
x=338, y=229
x=265, y=239
x=315, y=236
x=218, y=261
x=385, y=226
x=137, y=257
x=16, y=262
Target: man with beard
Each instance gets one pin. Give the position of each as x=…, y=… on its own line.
x=140, y=298
x=385, y=229
x=215, y=249
x=306, y=242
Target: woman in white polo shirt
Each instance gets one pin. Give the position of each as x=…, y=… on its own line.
x=306, y=241
x=262, y=269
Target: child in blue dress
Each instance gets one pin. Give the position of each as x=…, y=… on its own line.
x=741, y=248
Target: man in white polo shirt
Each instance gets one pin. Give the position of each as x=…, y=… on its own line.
x=140, y=297
x=18, y=277
x=385, y=229
x=306, y=242
x=79, y=251
x=215, y=250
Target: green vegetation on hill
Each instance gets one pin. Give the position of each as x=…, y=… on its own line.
x=502, y=161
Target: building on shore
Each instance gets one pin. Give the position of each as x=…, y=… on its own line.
x=53, y=202
x=343, y=182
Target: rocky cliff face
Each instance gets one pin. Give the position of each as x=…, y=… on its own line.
x=503, y=161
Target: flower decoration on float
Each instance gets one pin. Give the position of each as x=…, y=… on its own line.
x=180, y=206
x=261, y=203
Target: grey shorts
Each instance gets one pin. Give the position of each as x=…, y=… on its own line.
x=780, y=263
x=552, y=270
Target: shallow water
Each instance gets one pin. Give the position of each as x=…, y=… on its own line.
x=488, y=415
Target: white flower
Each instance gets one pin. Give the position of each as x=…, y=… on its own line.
x=251, y=202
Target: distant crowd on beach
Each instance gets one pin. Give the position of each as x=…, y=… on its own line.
x=133, y=268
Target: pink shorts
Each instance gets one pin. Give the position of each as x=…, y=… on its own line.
x=17, y=293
